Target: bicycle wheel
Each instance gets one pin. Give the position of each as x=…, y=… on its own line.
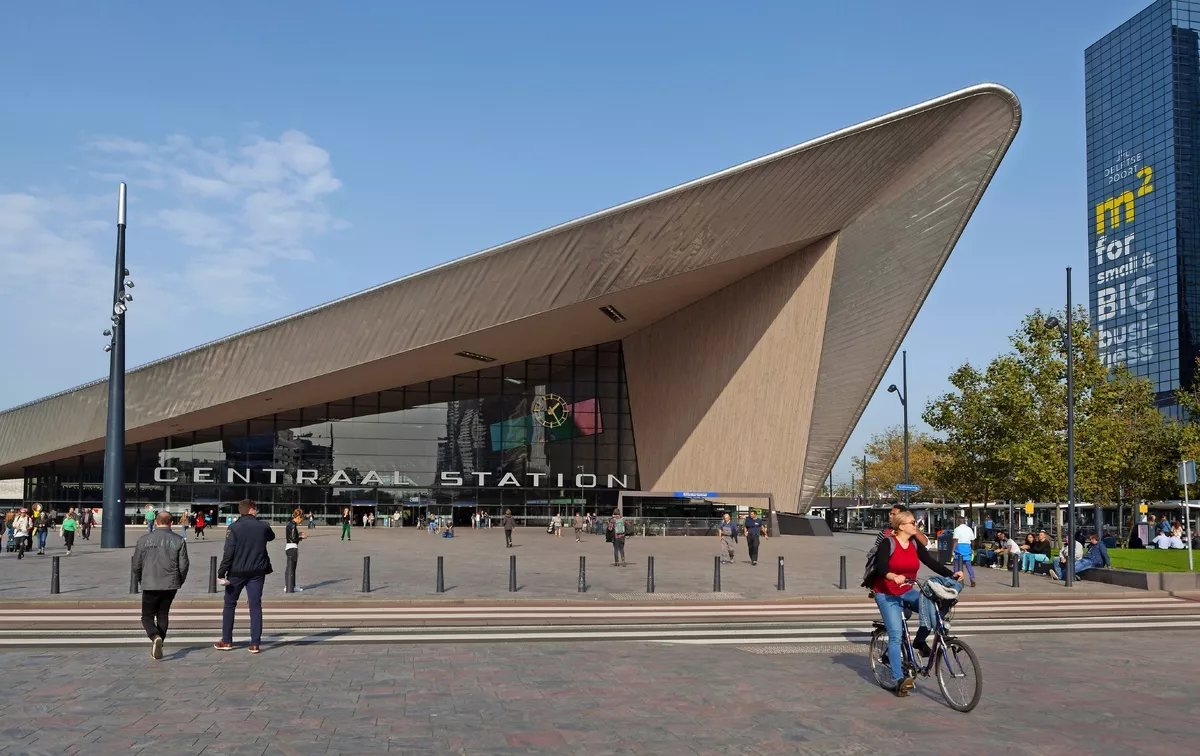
x=879, y=666
x=959, y=675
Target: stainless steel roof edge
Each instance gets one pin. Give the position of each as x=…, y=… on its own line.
x=972, y=91
x=805, y=503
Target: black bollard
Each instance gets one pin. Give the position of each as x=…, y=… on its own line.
x=212, y=574
x=649, y=574
x=512, y=574
x=583, y=574
x=1016, y=571
x=54, y=576
x=441, y=582
x=366, y=586
x=716, y=574
x=779, y=583
x=842, y=572
x=133, y=580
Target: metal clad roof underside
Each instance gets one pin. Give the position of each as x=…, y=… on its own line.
x=898, y=189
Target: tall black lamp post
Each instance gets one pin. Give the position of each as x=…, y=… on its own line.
x=112, y=526
x=903, y=394
x=1068, y=346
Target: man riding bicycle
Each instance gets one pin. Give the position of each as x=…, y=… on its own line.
x=895, y=573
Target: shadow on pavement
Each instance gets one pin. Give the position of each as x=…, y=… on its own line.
x=858, y=663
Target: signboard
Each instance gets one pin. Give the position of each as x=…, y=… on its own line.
x=907, y=487
x=1029, y=507
x=1143, y=508
x=696, y=494
x=1187, y=472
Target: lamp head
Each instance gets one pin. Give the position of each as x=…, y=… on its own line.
x=1052, y=322
x=892, y=389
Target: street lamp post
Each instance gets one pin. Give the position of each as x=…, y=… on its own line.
x=1069, y=578
x=903, y=394
x=112, y=527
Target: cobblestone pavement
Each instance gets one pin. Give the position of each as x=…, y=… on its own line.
x=403, y=565
x=1045, y=695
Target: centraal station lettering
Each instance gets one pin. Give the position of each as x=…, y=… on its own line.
x=373, y=478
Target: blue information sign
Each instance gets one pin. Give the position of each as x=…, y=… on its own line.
x=907, y=487
x=696, y=494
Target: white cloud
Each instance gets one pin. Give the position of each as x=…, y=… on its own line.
x=210, y=227
x=237, y=211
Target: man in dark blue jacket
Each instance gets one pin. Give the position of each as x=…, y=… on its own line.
x=245, y=565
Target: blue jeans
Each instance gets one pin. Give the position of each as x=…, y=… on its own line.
x=1029, y=559
x=961, y=559
x=891, y=608
x=233, y=591
x=41, y=538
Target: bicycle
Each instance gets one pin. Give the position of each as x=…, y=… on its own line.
x=951, y=660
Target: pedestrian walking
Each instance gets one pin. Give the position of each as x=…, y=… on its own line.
x=617, y=526
x=312, y=522
x=578, y=525
x=149, y=519
x=508, y=528
x=726, y=529
x=88, y=522
x=201, y=524
x=160, y=562
x=69, y=527
x=244, y=566
x=41, y=527
x=755, y=528
x=22, y=529
x=556, y=523
x=184, y=520
x=346, y=520
x=292, y=538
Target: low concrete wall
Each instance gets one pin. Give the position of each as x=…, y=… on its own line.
x=1146, y=581
x=795, y=524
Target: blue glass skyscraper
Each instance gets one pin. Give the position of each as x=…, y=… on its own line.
x=1143, y=213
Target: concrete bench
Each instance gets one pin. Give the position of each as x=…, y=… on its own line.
x=1145, y=581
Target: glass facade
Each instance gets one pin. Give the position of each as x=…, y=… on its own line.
x=544, y=436
x=1143, y=215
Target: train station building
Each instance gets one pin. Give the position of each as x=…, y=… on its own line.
x=722, y=335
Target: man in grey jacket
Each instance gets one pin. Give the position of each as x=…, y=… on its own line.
x=160, y=561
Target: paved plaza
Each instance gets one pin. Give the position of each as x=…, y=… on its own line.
x=1045, y=695
x=403, y=565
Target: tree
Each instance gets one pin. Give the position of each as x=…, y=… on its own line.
x=1002, y=432
x=885, y=463
x=1124, y=444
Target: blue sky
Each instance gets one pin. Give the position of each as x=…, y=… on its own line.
x=284, y=154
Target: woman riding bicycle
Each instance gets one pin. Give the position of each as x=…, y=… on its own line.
x=894, y=577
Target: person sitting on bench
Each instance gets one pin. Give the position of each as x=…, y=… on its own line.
x=1096, y=556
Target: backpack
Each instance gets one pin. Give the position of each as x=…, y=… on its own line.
x=872, y=559
x=619, y=527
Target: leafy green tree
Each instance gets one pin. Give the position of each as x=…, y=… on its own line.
x=885, y=463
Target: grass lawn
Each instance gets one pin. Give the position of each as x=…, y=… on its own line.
x=1152, y=560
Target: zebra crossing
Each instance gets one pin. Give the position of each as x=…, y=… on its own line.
x=737, y=624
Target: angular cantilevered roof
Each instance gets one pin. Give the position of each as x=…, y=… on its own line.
x=896, y=191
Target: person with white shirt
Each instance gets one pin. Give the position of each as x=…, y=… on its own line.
x=1008, y=551
x=1176, y=542
x=1162, y=541
x=964, y=536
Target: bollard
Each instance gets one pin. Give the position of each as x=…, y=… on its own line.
x=366, y=586
x=512, y=574
x=441, y=582
x=649, y=574
x=716, y=574
x=582, y=575
x=1016, y=571
x=54, y=576
x=842, y=572
x=212, y=574
x=133, y=580
x=779, y=583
